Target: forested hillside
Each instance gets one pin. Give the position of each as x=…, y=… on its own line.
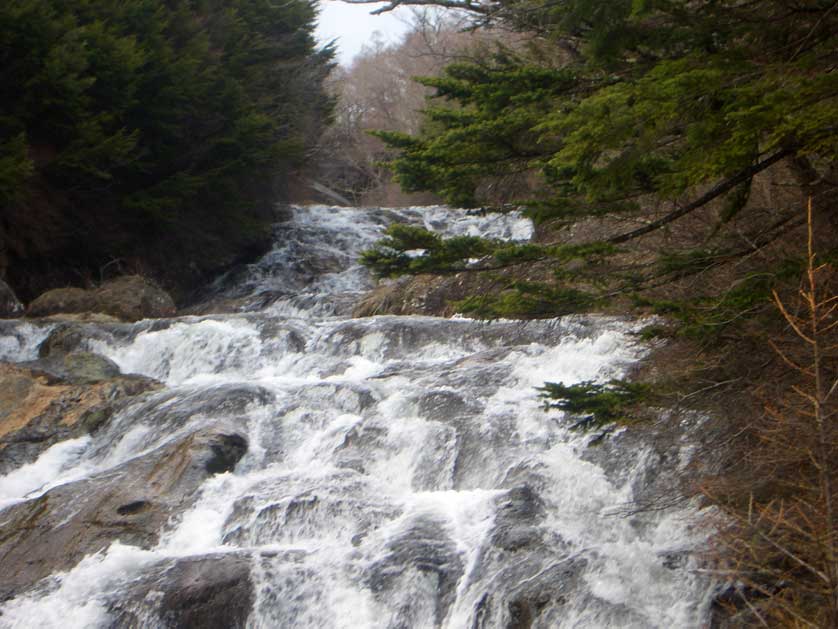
x=149, y=136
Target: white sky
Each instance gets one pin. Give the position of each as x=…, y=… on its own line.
x=353, y=26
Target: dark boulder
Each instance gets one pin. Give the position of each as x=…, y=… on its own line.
x=132, y=297
x=226, y=452
x=61, y=300
x=206, y=592
x=530, y=594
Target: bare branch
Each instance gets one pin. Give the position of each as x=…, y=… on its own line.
x=460, y=5
x=725, y=186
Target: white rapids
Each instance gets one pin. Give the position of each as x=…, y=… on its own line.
x=401, y=472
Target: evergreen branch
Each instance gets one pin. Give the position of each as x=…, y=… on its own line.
x=713, y=193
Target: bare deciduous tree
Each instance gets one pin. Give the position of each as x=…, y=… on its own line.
x=378, y=92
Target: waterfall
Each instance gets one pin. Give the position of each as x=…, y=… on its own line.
x=385, y=472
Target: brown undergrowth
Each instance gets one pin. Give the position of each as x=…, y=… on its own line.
x=774, y=486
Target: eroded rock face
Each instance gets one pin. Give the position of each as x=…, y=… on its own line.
x=10, y=306
x=129, y=298
x=39, y=408
x=130, y=503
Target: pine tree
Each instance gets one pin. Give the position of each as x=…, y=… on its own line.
x=641, y=112
x=148, y=124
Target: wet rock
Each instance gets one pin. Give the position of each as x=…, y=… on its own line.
x=131, y=503
x=389, y=337
x=207, y=592
x=63, y=340
x=64, y=353
x=230, y=305
x=38, y=409
x=358, y=447
x=535, y=572
x=287, y=338
x=520, y=614
x=440, y=405
x=479, y=447
x=347, y=398
x=133, y=508
x=401, y=337
x=226, y=451
x=516, y=523
x=423, y=548
x=89, y=368
x=530, y=594
x=83, y=317
x=128, y=298
x=294, y=512
x=10, y=306
x=69, y=337
x=173, y=409
x=676, y=559
x=19, y=339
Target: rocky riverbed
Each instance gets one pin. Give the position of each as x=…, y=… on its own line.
x=270, y=460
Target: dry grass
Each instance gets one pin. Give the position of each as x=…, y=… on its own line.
x=778, y=528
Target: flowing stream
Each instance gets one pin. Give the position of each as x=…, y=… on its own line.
x=400, y=472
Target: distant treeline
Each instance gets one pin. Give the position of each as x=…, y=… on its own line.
x=151, y=135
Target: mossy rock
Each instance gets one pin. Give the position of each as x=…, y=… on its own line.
x=128, y=298
x=89, y=368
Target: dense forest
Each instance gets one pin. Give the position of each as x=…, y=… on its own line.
x=150, y=136
x=679, y=159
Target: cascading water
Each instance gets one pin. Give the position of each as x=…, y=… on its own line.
x=399, y=471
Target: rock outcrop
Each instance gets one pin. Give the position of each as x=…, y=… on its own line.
x=39, y=408
x=129, y=298
x=130, y=503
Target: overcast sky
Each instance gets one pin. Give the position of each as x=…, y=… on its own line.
x=352, y=26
